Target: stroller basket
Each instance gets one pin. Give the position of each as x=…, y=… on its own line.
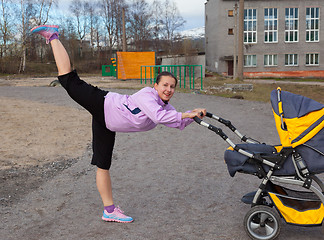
x=296, y=207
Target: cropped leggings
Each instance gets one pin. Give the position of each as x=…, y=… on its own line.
x=92, y=99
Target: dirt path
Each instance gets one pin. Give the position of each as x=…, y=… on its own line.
x=174, y=183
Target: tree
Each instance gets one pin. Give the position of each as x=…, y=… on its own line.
x=139, y=23
x=24, y=10
x=80, y=14
x=156, y=24
x=109, y=20
x=171, y=21
x=93, y=19
x=112, y=19
x=5, y=25
x=42, y=10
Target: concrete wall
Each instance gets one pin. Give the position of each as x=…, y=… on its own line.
x=186, y=60
x=220, y=45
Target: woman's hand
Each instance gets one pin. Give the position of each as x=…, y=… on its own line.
x=198, y=112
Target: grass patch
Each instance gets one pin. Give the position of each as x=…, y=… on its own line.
x=261, y=91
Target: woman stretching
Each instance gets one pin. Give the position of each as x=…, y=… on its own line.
x=112, y=112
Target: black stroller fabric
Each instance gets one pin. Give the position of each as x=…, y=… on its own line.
x=311, y=152
x=237, y=162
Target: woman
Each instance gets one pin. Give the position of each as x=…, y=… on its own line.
x=113, y=112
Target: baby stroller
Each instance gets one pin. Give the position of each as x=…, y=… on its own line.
x=289, y=186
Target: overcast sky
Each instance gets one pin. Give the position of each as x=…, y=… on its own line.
x=192, y=11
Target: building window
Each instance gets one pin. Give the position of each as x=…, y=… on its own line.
x=312, y=59
x=270, y=25
x=291, y=59
x=270, y=60
x=230, y=13
x=250, y=61
x=312, y=24
x=230, y=31
x=291, y=24
x=250, y=26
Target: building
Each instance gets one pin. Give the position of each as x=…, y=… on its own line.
x=282, y=38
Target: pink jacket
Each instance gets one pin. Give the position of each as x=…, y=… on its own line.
x=139, y=112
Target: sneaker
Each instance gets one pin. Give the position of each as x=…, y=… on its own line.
x=116, y=216
x=47, y=31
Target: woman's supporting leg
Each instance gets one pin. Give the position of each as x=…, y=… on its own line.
x=104, y=186
x=61, y=57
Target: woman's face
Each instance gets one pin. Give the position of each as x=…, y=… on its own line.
x=165, y=87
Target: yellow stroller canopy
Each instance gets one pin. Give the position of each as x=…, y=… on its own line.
x=298, y=119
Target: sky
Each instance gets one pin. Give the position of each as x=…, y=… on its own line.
x=191, y=10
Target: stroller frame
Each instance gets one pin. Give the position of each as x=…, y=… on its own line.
x=261, y=211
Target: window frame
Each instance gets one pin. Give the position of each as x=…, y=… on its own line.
x=251, y=58
x=272, y=21
x=250, y=25
x=295, y=60
x=274, y=60
x=312, y=56
x=313, y=30
x=291, y=19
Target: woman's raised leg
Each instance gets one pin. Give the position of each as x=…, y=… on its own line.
x=61, y=57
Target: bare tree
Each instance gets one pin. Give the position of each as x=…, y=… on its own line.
x=80, y=15
x=156, y=24
x=171, y=21
x=5, y=24
x=94, y=13
x=24, y=26
x=109, y=20
x=112, y=18
x=90, y=8
x=139, y=23
x=42, y=10
x=118, y=7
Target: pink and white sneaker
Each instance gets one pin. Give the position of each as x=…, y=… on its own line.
x=47, y=31
x=116, y=216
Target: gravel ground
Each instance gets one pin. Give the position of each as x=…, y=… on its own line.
x=173, y=183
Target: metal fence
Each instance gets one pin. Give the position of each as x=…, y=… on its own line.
x=185, y=74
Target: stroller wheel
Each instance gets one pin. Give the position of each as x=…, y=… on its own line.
x=262, y=223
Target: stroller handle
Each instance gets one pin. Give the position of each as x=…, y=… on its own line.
x=227, y=123
x=220, y=132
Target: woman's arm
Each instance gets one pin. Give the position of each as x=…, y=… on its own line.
x=198, y=112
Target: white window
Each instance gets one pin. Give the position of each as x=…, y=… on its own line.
x=271, y=60
x=250, y=26
x=291, y=59
x=270, y=25
x=312, y=24
x=312, y=59
x=250, y=61
x=291, y=24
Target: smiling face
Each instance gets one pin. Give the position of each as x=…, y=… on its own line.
x=165, y=87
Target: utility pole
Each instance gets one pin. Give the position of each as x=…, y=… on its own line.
x=124, y=32
x=241, y=41
x=235, y=42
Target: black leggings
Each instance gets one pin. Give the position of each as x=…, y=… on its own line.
x=92, y=99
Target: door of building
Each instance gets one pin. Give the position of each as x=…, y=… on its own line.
x=230, y=67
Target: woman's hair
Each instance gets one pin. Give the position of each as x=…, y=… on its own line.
x=158, y=78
